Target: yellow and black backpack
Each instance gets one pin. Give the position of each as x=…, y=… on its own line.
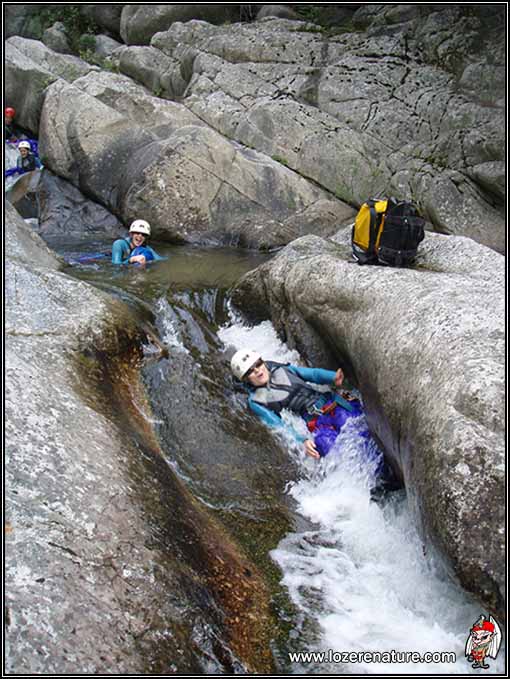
x=387, y=231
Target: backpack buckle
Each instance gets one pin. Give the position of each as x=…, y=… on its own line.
x=316, y=410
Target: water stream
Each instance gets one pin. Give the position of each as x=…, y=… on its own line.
x=347, y=574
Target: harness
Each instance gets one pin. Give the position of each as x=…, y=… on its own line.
x=28, y=163
x=286, y=390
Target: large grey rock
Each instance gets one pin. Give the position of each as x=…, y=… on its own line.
x=22, y=193
x=27, y=20
x=392, y=124
x=477, y=33
x=140, y=22
x=65, y=212
x=64, y=465
x=25, y=82
x=325, y=108
x=96, y=163
x=105, y=46
x=105, y=15
x=26, y=246
x=30, y=67
x=465, y=42
x=22, y=19
x=152, y=68
x=427, y=348
x=191, y=183
x=205, y=188
x=137, y=103
x=55, y=38
x=279, y=11
x=64, y=66
x=11, y=155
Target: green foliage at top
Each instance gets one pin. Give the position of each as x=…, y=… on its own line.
x=76, y=24
x=312, y=13
x=324, y=21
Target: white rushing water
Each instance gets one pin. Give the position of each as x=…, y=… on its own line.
x=169, y=328
x=360, y=578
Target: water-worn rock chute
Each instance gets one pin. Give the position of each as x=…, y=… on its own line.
x=426, y=348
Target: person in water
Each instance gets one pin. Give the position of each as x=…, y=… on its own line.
x=134, y=249
x=275, y=386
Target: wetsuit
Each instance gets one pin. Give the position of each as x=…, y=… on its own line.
x=121, y=252
x=288, y=389
x=147, y=252
x=10, y=134
x=27, y=164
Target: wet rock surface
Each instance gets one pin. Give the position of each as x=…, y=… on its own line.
x=111, y=565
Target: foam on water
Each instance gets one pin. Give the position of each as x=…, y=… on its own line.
x=169, y=329
x=361, y=578
x=261, y=338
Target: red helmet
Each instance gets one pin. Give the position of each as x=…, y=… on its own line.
x=10, y=112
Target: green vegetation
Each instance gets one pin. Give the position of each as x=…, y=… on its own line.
x=103, y=62
x=76, y=24
x=309, y=28
x=87, y=43
x=312, y=13
x=280, y=160
x=343, y=193
x=320, y=16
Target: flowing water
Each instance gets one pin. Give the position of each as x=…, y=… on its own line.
x=359, y=576
x=347, y=574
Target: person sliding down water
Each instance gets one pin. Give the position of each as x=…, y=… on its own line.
x=275, y=386
x=134, y=248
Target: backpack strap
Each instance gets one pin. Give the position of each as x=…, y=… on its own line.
x=373, y=225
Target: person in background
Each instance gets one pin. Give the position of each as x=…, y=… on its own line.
x=9, y=132
x=134, y=249
x=27, y=160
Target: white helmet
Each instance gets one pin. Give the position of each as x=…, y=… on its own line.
x=140, y=226
x=242, y=361
x=24, y=145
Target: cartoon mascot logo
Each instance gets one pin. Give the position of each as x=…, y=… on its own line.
x=483, y=642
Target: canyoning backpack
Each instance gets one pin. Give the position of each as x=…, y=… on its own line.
x=387, y=231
